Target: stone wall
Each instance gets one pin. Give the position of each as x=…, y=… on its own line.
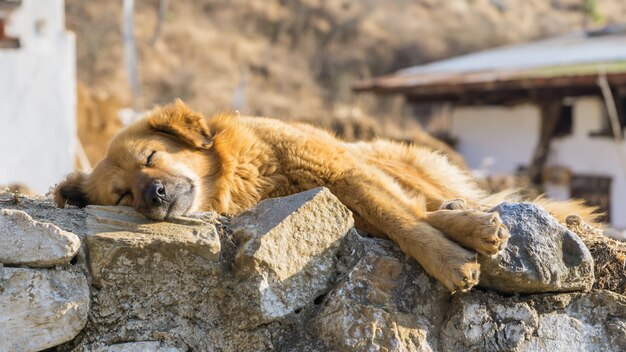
x=289, y=275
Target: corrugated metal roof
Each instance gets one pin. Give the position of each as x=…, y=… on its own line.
x=571, y=49
x=573, y=55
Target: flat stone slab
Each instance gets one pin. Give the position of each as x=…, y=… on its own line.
x=117, y=234
x=41, y=308
x=541, y=256
x=33, y=243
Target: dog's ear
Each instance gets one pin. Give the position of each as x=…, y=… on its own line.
x=71, y=191
x=177, y=120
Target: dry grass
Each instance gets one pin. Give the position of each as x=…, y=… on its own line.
x=98, y=121
x=297, y=58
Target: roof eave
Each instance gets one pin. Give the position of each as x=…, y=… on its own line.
x=445, y=90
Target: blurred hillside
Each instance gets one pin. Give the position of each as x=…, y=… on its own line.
x=298, y=58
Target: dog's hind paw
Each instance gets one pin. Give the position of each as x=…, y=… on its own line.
x=462, y=275
x=491, y=236
x=480, y=231
x=454, y=204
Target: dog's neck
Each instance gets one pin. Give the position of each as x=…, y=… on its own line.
x=246, y=169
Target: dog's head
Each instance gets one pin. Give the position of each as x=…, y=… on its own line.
x=156, y=165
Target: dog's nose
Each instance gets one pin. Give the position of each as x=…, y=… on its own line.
x=154, y=194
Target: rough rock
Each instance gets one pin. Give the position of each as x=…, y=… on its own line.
x=562, y=322
x=541, y=256
x=287, y=255
x=37, y=244
x=386, y=303
x=41, y=308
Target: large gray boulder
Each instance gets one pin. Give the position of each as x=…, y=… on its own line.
x=287, y=252
x=541, y=256
x=33, y=243
x=41, y=308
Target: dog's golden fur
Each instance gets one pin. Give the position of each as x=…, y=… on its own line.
x=433, y=210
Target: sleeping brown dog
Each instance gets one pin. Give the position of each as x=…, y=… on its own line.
x=175, y=162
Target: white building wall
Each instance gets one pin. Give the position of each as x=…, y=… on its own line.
x=503, y=137
x=599, y=156
x=38, y=97
x=509, y=136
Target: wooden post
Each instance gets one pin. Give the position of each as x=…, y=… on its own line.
x=130, y=52
x=160, y=21
x=550, y=113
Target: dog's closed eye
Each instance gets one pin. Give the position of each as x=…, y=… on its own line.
x=149, y=160
x=121, y=198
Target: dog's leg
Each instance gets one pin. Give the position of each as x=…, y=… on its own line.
x=363, y=225
x=377, y=198
x=477, y=230
x=454, y=266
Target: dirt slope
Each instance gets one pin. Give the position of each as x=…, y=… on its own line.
x=298, y=58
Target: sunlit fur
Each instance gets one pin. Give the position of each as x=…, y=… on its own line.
x=393, y=189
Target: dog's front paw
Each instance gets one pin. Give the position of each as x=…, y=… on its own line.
x=491, y=236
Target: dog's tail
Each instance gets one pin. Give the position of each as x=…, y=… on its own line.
x=559, y=209
x=562, y=209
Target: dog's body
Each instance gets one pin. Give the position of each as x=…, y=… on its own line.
x=175, y=162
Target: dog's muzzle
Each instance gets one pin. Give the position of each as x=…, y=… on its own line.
x=154, y=194
x=166, y=197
